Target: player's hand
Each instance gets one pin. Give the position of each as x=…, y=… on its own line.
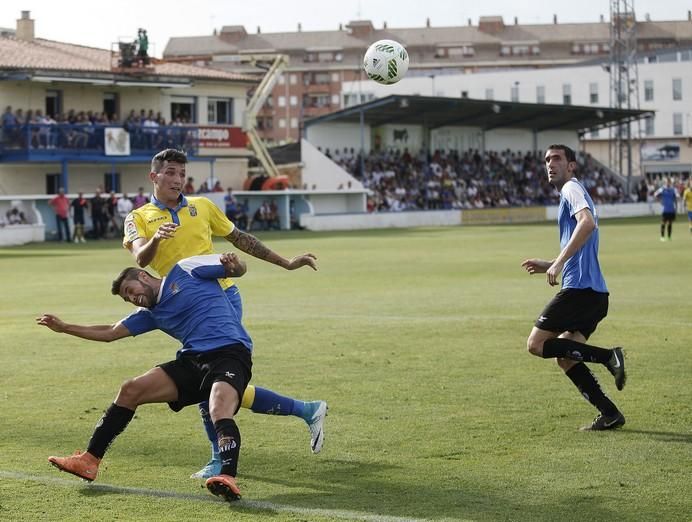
x=553, y=273
x=233, y=265
x=536, y=266
x=165, y=231
x=51, y=322
x=302, y=260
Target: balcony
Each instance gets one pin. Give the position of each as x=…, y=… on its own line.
x=109, y=143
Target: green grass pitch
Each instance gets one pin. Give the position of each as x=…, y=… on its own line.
x=416, y=338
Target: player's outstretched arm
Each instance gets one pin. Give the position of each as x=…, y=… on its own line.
x=536, y=266
x=253, y=246
x=104, y=333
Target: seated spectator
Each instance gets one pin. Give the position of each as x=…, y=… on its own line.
x=241, y=216
x=231, y=205
x=16, y=217
x=203, y=188
x=217, y=187
x=273, y=221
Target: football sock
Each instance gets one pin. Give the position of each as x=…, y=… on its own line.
x=574, y=350
x=663, y=230
x=588, y=386
x=114, y=421
x=271, y=403
x=229, y=445
x=209, y=428
x=670, y=229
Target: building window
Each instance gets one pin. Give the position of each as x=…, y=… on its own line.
x=594, y=133
x=566, y=94
x=282, y=80
x=282, y=123
x=219, y=111
x=677, y=89
x=540, y=94
x=293, y=100
x=184, y=108
x=593, y=92
x=335, y=77
x=294, y=123
x=52, y=183
x=282, y=101
x=649, y=125
x=648, y=90
x=111, y=181
x=489, y=94
x=293, y=79
x=677, y=124
x=514, y=93
x=335, y=99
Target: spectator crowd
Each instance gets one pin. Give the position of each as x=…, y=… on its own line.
x=85, y=129
x=471, y=179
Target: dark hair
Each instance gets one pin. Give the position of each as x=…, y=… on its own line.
x=569, y=153
x=127, y=274
x=174, y=155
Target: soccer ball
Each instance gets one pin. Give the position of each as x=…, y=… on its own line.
x=386, y=62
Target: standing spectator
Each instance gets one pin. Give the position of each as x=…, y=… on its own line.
x=112, y=212
x=241, y=215
x=125, y=206
x=10, y=127
x=61, y=206
x=189, y=187
x=231, y=205
x=98, y=215
x=78, y=208
x=140, y=199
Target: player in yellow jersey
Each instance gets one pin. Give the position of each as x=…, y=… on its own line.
x=173, y=227
x=687, y=199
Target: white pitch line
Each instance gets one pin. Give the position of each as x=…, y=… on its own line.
x=256, y=504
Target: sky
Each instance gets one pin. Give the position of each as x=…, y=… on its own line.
x=99, y=24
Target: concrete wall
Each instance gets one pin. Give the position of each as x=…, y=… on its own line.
x=321, y=173
x=332, y=135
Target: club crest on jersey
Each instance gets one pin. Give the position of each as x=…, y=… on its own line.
x=193, y=210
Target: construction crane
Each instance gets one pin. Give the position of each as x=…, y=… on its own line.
x=274, y=65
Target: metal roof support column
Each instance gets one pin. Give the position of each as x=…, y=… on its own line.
x=535, y=141
x=362, y=144
x=64, y=175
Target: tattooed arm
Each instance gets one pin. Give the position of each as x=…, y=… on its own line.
x=253, y=246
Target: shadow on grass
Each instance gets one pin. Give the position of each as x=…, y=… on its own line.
x=666, y=436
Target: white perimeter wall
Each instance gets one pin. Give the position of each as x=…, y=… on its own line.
x=321, y=173
x=331, y=135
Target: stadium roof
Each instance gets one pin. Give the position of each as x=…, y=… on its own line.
x=435, y=112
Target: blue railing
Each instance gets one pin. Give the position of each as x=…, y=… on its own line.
x=36, y=140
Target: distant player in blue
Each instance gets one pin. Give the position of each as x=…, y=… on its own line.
x=572, y=315
x=669, y=200
x=214, y=362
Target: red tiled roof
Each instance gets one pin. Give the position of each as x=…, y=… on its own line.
x=48, y=55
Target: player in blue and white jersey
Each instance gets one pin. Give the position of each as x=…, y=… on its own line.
x=572, y=315
x=214, y=362
x=669, y=201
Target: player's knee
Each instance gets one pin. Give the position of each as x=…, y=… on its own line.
x=565, y=364
x=130, y=392
x=534, y=346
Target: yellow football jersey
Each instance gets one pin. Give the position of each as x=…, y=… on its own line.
x=687, y=197
x=198, y=218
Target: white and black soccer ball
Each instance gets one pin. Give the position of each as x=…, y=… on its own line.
x=386, y=62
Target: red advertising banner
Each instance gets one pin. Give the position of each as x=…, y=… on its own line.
x=222, y=137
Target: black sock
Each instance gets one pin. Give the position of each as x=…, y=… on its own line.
x=670, y=229
x=229, y=445
x=574, y=350
x=663, y=230
x=588, y=386
x=112, y=424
